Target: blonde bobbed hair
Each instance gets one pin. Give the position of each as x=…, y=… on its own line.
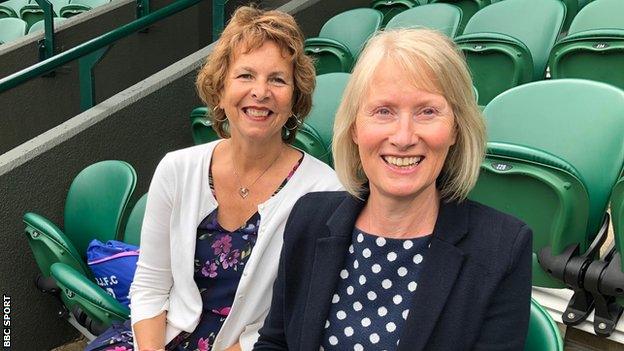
x=432, y=62
x=248, y=29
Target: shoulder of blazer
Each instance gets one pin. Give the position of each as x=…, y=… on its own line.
x=495, y=235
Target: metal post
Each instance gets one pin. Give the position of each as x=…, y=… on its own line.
x=218, y=18
x=46, y=46
x=87, y=79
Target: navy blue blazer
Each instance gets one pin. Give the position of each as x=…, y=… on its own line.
x=474, y=289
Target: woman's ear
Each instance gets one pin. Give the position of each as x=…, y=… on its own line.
x=354, y=135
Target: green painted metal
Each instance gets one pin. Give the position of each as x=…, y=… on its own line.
x=143, y=8
x=218, y=18
x=87, y=79
x=46, y=46
x=92, y=45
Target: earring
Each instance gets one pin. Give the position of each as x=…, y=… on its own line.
x=214, y=109
x=297, y=123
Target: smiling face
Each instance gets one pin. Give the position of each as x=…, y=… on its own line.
x=403, y=134
x=258, y=94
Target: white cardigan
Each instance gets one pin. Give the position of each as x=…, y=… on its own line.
x=179, y=199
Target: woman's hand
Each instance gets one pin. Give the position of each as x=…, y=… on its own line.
x=235, y=347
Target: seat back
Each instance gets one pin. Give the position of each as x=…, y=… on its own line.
x=96, y=201
x=201, y=126
x=76, y=7
x=391, y=8
x=11, y=29
x=132, y=233
x=504, y=17
x=352, y=28
x=551, y=119
x=11, y=8
x=326, y=98
x=594, y=47
x=543, y=332
x=617, y=216
x=502, y=47
x=467, y=7
x=441, y=17
x=38, y=26
x=309, y=140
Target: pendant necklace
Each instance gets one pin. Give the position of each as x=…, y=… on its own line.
x=243, y=191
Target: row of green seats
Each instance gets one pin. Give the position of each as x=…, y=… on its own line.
x=31, y=12
x=503, y=50
x=14, y=28
x=96, y=205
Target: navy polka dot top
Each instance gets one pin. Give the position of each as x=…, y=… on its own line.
x=374, y=293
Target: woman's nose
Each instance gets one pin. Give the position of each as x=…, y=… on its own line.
x=260, y=91
x=404, y=134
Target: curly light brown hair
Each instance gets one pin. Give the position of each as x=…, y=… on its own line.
x=248, y=29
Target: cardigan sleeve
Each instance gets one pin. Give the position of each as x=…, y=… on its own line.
x=152, y=282
x=506, y=322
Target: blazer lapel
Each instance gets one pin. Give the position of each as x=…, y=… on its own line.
x=329, y=258
x=443, y=263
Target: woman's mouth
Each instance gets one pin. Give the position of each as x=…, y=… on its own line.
x=257, y=112
x=403, y=162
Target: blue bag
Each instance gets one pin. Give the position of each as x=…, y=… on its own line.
x=113, y=265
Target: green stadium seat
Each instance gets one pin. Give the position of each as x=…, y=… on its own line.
x=468, y=8
x=444, y=18
x=326, y=98
x=543, y=332
x=309, y=140
x=38, y=26
x=11, y=29
x=342, y=38
x=32, y=13
x=95, y=203
x=557, y=166
x=11, y=8
x=88, y=303
x=503, y=49
x=594, y=46
x=391, y=8
x=132, y=233
x=201, y=126
x=76, y=7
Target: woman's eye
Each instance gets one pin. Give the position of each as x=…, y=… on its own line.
x=278, y=80
x=429, y=111
x=244, y=76
x=383, y=112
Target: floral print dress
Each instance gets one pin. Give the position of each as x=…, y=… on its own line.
x=220, y=257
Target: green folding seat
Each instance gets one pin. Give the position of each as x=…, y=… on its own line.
x=95, y=203
x=468, y=8
x=391, y=8
x=89, y=304
x=32, y=13
x=309, y=140
x=441, y=17
x=201, y=126
x=594, y=46
x=76, y=7
x=11, y=29
x=543, y=332
x=555, y=150
x=504, y=49
x=132, y=233
x=11, y=8
x=38, y=26
x=342, y=38
x=326, y=98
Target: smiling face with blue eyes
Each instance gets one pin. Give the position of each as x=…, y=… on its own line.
x=403, y=133
x=258, y=93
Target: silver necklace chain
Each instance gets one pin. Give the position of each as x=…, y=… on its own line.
x=243, y=191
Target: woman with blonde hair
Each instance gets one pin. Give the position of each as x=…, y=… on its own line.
x=216, y=212
x=402, y=260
